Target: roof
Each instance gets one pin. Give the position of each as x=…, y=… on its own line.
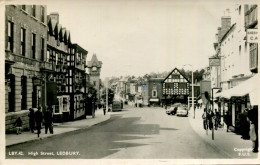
x=174, y=71
x=94, y=62
x=79, y=48
x=229, y=30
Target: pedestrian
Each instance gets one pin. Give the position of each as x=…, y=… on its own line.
x=217, y=119
x=38, y=120
x=204, y=117
x=48, y=121
x=253, y=119
x=18, y=124
x=210, y=119
x=104, y=110
x=31, y=120
x=245, y=125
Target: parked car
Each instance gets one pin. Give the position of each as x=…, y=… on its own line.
x=182, y=111
x=171, y=110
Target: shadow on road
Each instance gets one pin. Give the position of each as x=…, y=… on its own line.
x=96, y=142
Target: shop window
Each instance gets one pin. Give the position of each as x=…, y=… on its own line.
x=23, y=41
x=24, y=92
x=10, y=36
x=33, y=45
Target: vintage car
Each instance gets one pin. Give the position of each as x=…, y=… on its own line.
x=171, y=110
x=182, y=111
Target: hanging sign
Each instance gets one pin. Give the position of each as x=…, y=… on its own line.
x=214, y=62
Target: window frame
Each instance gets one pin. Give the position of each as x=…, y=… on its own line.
x=33, y=45
x=34, y=10
x=23, y=41
x=10, y=35
x=42, y=14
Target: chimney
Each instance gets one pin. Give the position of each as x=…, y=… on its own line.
x=219, y=33
x=54, y=16
x=225, y=25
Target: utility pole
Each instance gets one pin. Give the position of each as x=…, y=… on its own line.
x=107, y=93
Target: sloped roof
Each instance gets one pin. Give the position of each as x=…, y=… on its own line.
x=94, y=62
x=175, y=69
x=52, y=24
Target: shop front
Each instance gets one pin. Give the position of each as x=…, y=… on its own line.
x=237, y=100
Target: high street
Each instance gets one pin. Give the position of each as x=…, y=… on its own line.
x=134, y=133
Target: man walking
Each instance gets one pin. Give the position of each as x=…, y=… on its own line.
x=48, y=121
x=38, y=119
x=31, y=119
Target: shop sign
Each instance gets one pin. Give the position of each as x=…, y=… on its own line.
x=252, y=35
x=214, y=62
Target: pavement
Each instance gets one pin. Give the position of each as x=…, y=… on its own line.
x=230, y=143
x=59, y=128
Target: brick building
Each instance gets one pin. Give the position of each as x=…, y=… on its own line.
x=154, y=87
x=25, y=66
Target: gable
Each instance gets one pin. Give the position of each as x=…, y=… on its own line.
x=175, y=84
x=175, y=76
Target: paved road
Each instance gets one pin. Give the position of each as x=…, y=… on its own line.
x=135, y=133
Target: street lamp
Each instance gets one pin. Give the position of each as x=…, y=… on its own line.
x=192, y=89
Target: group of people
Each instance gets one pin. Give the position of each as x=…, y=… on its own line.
x=211, y=120
x=35, y=121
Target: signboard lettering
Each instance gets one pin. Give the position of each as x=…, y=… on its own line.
x=252, y=35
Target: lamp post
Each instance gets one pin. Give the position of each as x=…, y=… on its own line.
x=192, y=90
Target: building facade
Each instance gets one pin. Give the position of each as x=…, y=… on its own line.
x=154, y=87
x=238, y=62
x=94, y=67
x=76, y=81
x=58, y=44
x=25, y=61
x=175, y=88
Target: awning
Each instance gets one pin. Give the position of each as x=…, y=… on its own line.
x=154, y=100
x=249, y=86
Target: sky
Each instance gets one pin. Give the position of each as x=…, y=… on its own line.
x=139, y=37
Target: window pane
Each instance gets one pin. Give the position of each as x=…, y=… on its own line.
x=21, y=34
x=9, y=29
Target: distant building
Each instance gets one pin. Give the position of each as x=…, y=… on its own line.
x=155, y=92
x=175, y=88
x=94, y=66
